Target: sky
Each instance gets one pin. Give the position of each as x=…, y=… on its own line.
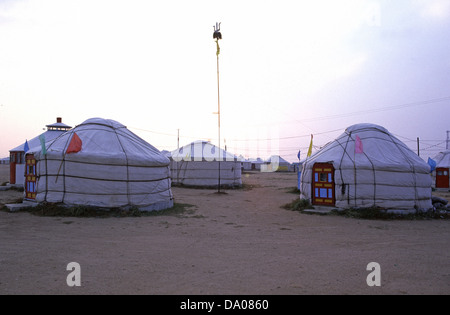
x=287, y=70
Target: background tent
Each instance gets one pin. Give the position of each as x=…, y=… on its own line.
x=367, y=166
x=197, y=164
x=109, y=167
x=276, y=164
x=17, y=154
x=441, y=178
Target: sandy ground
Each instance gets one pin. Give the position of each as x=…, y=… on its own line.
x=241, y=242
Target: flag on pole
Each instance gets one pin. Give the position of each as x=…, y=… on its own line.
x=358, y=145
x=432, y=164
x=218, y=48
x=42, y=140
x=26, y=147
x=310, y=147
x=74, y=145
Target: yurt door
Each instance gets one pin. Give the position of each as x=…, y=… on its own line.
x=323, y=184
x=30, y=177
x=12, y=167
x=442, y=177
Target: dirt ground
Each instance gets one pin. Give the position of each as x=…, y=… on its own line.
x=241, y=242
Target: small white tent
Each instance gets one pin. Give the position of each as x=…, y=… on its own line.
x=276, y=164
x=109, y=167
x=17, y=155
x=367, y=166
x=197, y=164
x=441, y=175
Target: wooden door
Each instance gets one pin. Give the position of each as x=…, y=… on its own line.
x=442, y=177
x=30, y=177
x=12, y=167
x=323, y=184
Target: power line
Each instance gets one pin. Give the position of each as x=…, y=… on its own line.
x=168, y=134
x=376, y=110
x=388, y=108
x=435, y=145
x=286, y=138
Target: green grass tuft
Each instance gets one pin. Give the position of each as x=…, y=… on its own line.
x=59, y=210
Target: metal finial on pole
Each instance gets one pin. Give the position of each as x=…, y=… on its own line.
x=217, y=35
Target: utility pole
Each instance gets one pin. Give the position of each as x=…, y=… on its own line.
x=447, y=146
x=217, y=35
x=418, y=147
x=178, y=153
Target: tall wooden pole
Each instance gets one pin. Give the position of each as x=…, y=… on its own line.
x=217, y=35
x=218, y=111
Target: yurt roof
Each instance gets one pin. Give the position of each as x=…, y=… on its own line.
x=49, y=135
x=277, y=158
x=442, y=159
x=108, y=141
x=53, y=131
x=202, y=151
x=379, y=147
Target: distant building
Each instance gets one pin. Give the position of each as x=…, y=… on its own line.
x=17, y=155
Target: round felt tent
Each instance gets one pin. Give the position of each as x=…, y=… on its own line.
x=101, y=163
x=197, y=164
x=367, y=166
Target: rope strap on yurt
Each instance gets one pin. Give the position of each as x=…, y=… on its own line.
x=413, y=169
x=340, y=169
x=64, y=168
x=46, y=176
x=127, y=165
x=373, y=170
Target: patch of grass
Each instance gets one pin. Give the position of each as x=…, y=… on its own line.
x=293, y=190
x=60, y=210
x=207, y=187
x=247, y=187
x=298, y=205
x=376, y=213
x=178, y=210
x=16, y=188
x=370, y=213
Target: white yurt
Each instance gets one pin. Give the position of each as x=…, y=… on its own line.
x=441, y=178
x=256, y=164
x=276, y=164
x=246, y=165
x=367, y=166
x=197, y=164
x=99, y=163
